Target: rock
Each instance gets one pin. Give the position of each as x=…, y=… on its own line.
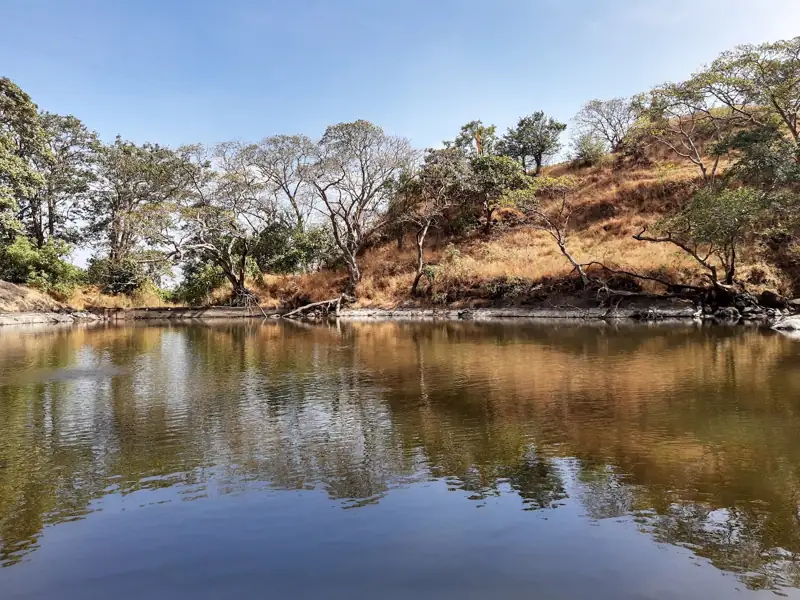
x=771, y=299
x=794, y=304
x=787, y=323
x=728, y=315
x=744, y=300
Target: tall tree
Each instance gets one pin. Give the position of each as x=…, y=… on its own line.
x=131, y=200
x=609, y=120
x=226, y=213
x=22, y=142
x=445, y=179
x=533, y=140
x=476, y=139
x=282, y=161
x=67, y=171
x=354, y=176
x=750, y=79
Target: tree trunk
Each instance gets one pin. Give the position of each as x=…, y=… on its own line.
x=420, y=258
x=538, y=170
x=487, y=228
x=354, y=274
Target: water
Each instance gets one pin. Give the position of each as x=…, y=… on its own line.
x=387, y=460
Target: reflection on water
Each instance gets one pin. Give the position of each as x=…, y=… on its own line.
x=687, y=435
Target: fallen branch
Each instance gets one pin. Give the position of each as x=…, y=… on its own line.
x=333, y=303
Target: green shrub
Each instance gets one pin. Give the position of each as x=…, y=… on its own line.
x=587, y=150
x=199, y=281
x=120, y=277
x=46, y=268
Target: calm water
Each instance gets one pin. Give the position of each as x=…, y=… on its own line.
x=459, y=460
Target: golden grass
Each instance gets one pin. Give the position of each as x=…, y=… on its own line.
x=92, y=297
x=612, y=204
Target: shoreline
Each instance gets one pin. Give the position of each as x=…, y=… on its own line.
x=640, y=313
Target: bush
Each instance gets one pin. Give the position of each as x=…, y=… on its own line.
x=587, y=150
x=122, y=277
x=283, y=249
x=199, y=282
x=46, y=268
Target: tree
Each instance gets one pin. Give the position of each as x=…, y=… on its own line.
x=444, y=180
x=476, y=139
x=22, y=141
x=495, y=176
x=354, y=177
x=132, y=200
x=586, y=149
x=67, y=172
x=609, y=120
x=535, y=138
x=227, y=212
x=548, y=205
x=756, y=81
x=283, y=163
x=711, y=228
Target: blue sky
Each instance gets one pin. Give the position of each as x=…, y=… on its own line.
x=183, y=71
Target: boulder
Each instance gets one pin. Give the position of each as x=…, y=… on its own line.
x=771, y=299
x=794, y=304
x=787, y=323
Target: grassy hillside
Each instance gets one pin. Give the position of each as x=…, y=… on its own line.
x=516, y=263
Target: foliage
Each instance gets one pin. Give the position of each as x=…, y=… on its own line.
x=535, y=138
x=495, y=176
x=713, y=225
x=131, y=204
x=67, y=172
x=285, y=248
x=124, y=276
x=476, y=139
x=22, y=141
x=586, y=149
x=200, y=279
x=46, y=268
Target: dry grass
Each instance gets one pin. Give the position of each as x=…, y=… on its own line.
x=92, y=297
x=611, y=206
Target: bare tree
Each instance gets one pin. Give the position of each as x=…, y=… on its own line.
x=354, y=177
x=282, y=161
x=609, y=120
x=226, y=212
x=548, y=204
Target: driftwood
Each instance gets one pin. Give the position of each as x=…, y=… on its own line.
x=334, y=304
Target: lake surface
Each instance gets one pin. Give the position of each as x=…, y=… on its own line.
x=397, y=460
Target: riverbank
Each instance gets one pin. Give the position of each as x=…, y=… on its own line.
x=653, y=311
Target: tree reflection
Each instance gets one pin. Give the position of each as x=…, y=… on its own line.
x=690, y=432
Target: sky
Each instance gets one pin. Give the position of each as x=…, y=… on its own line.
x=184, y=71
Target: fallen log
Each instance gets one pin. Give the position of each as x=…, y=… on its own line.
x=334, y=304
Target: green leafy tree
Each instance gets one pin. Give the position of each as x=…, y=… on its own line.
x=67, y=171
x=586, y=149
x=445, y=180
x=22, y=143
x=494, y=177
x=712, y=227
x=476, y=139
x=132, y=201
x=533, y=140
